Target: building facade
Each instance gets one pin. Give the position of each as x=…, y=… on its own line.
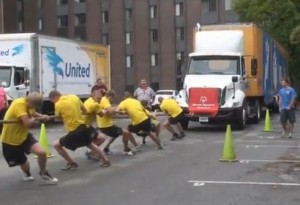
x=148, y=38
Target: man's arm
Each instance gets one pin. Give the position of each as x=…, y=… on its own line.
x=294, y=96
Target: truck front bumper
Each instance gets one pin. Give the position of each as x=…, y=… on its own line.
x=224, y=115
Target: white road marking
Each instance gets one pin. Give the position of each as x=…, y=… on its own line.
x=266, y=160
x=202, y=183
x=271, y=146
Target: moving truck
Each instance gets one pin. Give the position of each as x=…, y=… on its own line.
x=234, y=70
x=33, y=62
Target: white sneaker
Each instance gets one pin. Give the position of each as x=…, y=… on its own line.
x=27, y=177
x=48, y=179
x=283, y=134
x=129, y=153
x=136, y=149
x=290, y=135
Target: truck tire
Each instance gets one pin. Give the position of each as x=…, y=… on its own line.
x=258, y=109
x=185, y=124
x=242, y=119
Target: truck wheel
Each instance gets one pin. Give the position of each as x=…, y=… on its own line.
x=185, y=124
x=257, y=116
x=242, y=120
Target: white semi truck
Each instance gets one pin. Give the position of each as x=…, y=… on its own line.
x=234, y=70
x=33, y=62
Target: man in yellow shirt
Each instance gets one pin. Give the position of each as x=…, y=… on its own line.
x=17, y=141
x=92, y=106
x=172, y=108
x=140, y=121
x=70, y=109
x=106, y=125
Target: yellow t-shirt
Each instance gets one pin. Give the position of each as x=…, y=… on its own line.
x=134, y=109
x=69, y=108
x=16, y=134
x=93, y=108
x=171, y=107
x=105, y=120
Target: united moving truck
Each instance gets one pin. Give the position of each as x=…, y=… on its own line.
x=33, y=62
x=234, y=70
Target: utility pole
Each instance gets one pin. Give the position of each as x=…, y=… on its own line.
x=1, y=17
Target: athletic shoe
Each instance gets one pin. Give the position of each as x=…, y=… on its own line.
x=107, y=151
x=48, y=179
x=290, y=135
x=174, y=137
x=283, y=134
x=91, y=156
x=27, y=177
x=160, y=147
x=136, y=149
x=128, y=153
x=105, y=164
x=70, y=166
x=182, y=135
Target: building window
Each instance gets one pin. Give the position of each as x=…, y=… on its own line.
x=62, y=2
x=105, y=17
x=179, y=61
x=228, y=5
x=62, y=21
x=128, y=38
x=154, y=35
x=180, y=34
x=153, y=12
x=105, y=39
x=154, y=59
x=80, y=19
x=129, y=61
x=209, y=5
x=128, y=14
x=179, y=9
x=40, y=24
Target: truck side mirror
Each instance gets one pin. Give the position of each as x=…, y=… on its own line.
x=234, y=79
x=253, y=67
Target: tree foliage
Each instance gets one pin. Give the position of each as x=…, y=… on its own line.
x=280, y=18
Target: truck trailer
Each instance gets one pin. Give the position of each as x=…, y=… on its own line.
x=33, y=62
x=234, y=70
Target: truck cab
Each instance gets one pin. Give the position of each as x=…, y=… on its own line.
x=216, y=81
x=15, y=80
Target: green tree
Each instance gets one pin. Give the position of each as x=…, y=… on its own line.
x=281, y=19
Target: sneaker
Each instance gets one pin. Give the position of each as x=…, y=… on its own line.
x=182, y=135
x=70, y=166
x=27, y=177
x=283, y=134
x=174, y=137
x=290, y=135
x=91, y=156
x=105, y=164
x=129, y=153
x=107, y=151
x=136, y=149
x=160, y=147
x=48, y=179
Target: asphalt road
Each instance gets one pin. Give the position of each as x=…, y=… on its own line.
x=187, y=172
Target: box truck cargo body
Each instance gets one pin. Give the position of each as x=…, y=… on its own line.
x=32, y=62
x=234, y=70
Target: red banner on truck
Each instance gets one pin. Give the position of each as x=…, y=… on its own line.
x=204, y=101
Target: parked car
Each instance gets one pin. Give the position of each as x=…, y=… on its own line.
x=165, y=94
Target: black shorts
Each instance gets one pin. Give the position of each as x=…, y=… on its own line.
x=16, y=154
x=144, y=126
x=112, y=131
x=287, y=115
x=80, y=137
x=93, y=132
x=178, y=119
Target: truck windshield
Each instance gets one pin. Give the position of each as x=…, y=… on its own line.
x=5, y=75
x=223, y=65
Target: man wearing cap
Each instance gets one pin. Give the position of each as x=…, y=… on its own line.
x=17, y=141
x=70, y=109
x=144, y=93
x=92, y=106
